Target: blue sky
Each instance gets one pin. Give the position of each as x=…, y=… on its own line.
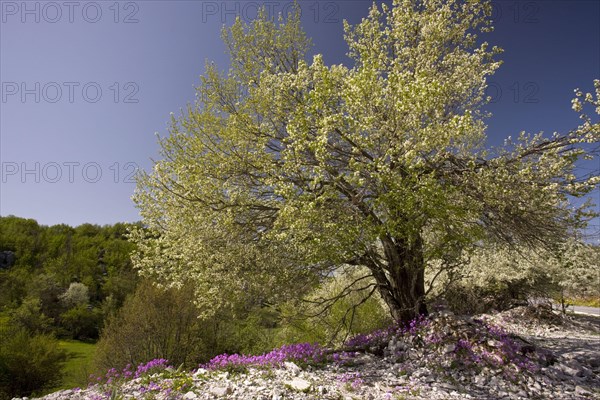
x=85, y=85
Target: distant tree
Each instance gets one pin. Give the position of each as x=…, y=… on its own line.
x=287, y=169
x=47, y=287
x=76, y=295
x=30, y=317
x=24, y=237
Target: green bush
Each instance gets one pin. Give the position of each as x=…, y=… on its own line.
x=81, y=322
x=30, y=317
x=28, y=363
x=153, y=323
x=254, y=333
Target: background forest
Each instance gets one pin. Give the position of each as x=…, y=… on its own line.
x=56, y=282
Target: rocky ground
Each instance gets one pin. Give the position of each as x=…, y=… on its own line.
x=524, y=353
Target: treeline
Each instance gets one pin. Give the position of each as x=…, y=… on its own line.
x=63, y=280
x=56, y=282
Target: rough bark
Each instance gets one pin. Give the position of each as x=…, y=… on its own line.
x=400, y=277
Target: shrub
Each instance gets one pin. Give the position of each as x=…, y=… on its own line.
x=152, y=324
x=30, y=317
x=28, y=363
x=82, y=322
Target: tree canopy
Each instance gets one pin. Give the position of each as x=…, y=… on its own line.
x=286, y=168
x=56, y=269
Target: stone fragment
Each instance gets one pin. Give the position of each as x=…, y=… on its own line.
x=569, y=371
x=220, y=391
x=582, y=391
x=298, y=384
x=583, y=372
x=292, y=367
x=449, y=348
x=363, y=359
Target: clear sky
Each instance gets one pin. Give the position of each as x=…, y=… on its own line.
x=85, y=85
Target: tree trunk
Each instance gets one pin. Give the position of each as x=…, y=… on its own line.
x=401, y=281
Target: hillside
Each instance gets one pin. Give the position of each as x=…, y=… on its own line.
x=540, y=355
x=57, y=283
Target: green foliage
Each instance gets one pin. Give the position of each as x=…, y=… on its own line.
x=82, y=322
x=584, y=301
x=47, y=287
x=58, y=269
x=288, y=169
x=345, y=305
x=153, y=323
x=30, y=317
x=28, y=363
x=252, y=333
x=64, y=281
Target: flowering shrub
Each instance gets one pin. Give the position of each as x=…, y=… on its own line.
x=480, y=345
x=155, y=377
x=381, y=337
x=114, y=376
x=153, y=366
x=376, y=338
x=488, y=346
x=343, y=358
x=302, y=353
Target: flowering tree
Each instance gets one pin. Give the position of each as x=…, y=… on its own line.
x=565, y=270
x=77, y=294
x=286, y=169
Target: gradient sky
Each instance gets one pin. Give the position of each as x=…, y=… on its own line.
x=85, y=86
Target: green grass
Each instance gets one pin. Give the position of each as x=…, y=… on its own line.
x=78, y=366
